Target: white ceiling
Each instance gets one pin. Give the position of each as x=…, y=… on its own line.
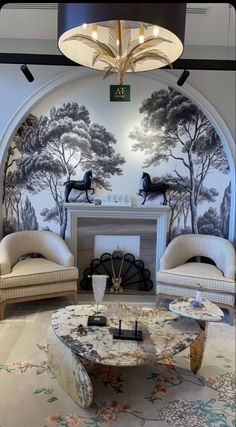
x=207, y=24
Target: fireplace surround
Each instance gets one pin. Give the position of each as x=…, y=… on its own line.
x=84, y=222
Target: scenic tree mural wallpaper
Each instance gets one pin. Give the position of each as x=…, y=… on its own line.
x=174, y=127
x=165, y=134
x=50, y=150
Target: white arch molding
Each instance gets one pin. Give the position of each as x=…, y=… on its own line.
x=163, y=76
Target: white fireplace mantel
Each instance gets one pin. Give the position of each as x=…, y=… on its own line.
x=159, y=213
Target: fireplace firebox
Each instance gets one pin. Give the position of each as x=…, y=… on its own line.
x=125, y=273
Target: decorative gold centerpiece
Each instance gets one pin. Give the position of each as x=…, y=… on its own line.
x=117, y=279
x=122, y=54
x=120, y=38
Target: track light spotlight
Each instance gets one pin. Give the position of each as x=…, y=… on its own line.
x=25, y=70
x=183, y=78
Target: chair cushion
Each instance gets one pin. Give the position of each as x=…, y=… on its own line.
x=35, y=271
x=193, y=273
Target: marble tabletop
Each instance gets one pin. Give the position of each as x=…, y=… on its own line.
x=164, y=334
x=208, y=311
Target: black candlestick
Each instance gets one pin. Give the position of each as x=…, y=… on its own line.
x=97, y=321
x=136, y=328
x=119, y=327
x=126, y=334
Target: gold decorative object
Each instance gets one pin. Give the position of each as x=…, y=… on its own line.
x=116, y=280
x=122, y=54
x=117, y=38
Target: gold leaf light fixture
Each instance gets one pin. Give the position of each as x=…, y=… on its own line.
x=121, y=37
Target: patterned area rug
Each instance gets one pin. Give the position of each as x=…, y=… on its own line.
x=152, y=396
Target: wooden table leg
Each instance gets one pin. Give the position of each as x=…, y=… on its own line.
x=69, y=371
x=197, y=348
x=2, y=310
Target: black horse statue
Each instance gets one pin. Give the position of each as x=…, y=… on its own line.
x=83, y=185
x=153, y=187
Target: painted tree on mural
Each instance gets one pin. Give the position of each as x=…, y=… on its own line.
x=179, y=201
x=23, y=144
x=44, y=172
x=14, y=191
x=209, y=222
x=52, y=149
x=14, y=183
x=28, y=217
x=76, y=143
x=182, y=201
x=225, y=212
x=172, y=120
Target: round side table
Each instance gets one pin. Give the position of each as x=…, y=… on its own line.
x=207, y=312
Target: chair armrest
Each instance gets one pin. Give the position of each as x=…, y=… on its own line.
x=5, y=264
x=167, y=262
x=227, y=264
x=175, y=254
x=62, y=255
x=230, y=272
x=225, y=258
x=66, y=259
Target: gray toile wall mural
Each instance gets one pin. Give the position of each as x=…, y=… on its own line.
x=77, y=129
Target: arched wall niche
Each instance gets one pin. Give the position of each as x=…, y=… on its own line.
x=162, y=76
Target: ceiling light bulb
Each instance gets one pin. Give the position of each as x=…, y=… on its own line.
x=84, y=26
x=118, y=42
x=141, y=33
x=94, y=32
x=141, y=38
x=156, y=31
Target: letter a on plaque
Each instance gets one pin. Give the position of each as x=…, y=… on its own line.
x=120, y=93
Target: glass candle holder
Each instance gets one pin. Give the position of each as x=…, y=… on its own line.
x=99, y=282
x=198, y=297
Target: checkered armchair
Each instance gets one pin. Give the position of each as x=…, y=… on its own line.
x=177, y=277
x=22, y=278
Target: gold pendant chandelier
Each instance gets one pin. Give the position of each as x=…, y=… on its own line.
x=142, y=37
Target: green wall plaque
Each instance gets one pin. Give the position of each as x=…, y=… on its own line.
x=120, y=93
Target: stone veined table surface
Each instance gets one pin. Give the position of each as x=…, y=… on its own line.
x=208, y=311
x=71, y=341
x=164, y=334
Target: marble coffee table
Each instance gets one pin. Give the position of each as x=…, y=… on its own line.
x=69, y=339
x=207, y=312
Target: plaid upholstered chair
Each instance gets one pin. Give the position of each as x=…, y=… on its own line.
x=177, y=277
x=23, y=279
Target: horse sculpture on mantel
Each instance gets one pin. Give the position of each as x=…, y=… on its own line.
x=82, y=185
x=153, y=187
